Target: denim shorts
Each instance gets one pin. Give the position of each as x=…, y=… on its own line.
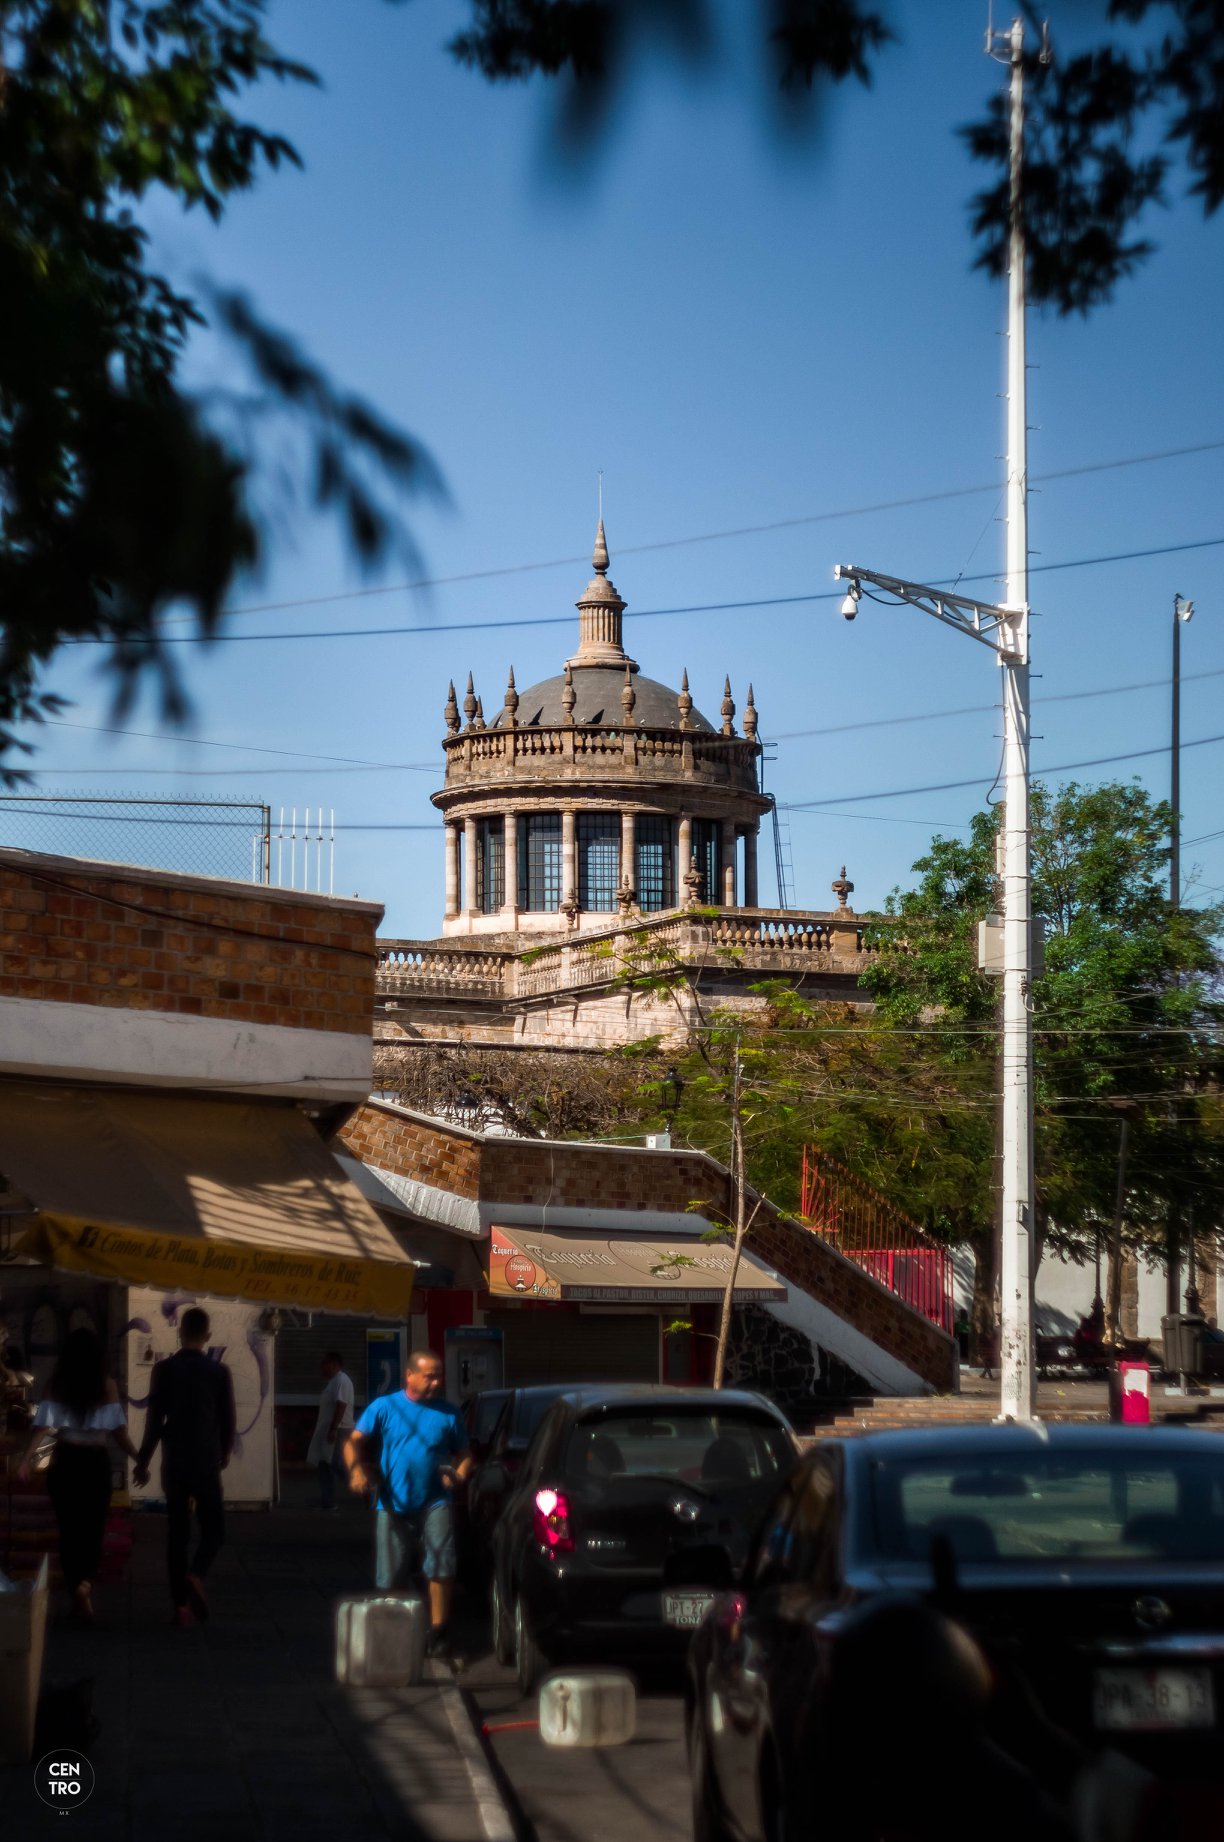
x=423, y=1537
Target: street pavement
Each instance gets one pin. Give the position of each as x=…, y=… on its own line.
x=563, y=1794
x=236, y=1731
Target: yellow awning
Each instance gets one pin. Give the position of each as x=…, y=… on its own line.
x=232, y=1197
x=571, y=1264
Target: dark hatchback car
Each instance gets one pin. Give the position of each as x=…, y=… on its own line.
x=498, y=1463
x=1086, y=1563
x=622, y=1493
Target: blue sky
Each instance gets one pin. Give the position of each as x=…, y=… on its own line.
x=739, y=334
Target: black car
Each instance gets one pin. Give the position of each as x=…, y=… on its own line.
x=1083, y=1569
x=623, y=1491
x=498, y=1463
x=480, y=1413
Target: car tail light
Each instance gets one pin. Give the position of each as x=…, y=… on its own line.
x=731, y=1616
x=551, y=1521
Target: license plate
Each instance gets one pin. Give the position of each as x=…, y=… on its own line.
x=1148, y=1700
x=685, y=1611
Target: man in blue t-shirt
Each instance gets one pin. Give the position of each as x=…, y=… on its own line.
x=411, y=1449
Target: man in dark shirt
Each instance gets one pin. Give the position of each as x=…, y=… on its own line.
x=191, y=1411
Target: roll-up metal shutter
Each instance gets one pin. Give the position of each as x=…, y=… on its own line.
x=566, y=1346
x=300, y=1348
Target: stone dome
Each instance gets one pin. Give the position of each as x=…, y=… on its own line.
x=597, y=690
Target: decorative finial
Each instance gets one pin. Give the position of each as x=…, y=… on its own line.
x=569, y=696
x=841, y=889
x=692, y=880
x=626, y=894
x=451, y=712
x=728, y=709
x=750, y=717
x=599, y=556
x=684, y=701
x=510, y=720
x=628, y=696
x=479, y=722
x=469, y=703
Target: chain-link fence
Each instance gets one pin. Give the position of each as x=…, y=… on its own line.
x=230, y=838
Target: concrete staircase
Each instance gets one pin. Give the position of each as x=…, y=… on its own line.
x=1069, y=1401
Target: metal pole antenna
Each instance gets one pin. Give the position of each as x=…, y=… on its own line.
x=1016, y=1276
x=1175, y=770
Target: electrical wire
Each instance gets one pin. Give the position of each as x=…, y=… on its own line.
x=558, y=620
x=706, y=537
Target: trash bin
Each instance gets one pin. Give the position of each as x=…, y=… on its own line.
x=23, y=1626
x=1183, y=1343
x=1135, y=1393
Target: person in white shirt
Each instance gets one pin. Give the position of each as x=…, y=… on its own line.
x=81, y=1411
x=334, y=1424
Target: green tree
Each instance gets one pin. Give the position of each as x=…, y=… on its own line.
x=1107, y=129
x=122, y=492
x=1127, y=1013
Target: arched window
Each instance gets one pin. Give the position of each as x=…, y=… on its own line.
x=599, y=836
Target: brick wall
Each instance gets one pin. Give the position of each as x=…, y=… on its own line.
x=424, y=1150
x=147, y=940
x=534, y=1172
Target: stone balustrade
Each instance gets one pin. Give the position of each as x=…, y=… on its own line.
x=628, y=751
x=756, y=940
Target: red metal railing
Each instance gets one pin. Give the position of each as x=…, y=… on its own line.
x=864, y=1226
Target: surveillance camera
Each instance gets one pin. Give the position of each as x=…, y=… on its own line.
x=849, y=606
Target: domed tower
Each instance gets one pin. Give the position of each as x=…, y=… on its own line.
x=596, y=793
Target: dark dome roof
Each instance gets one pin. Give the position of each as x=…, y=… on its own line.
x=598, y=690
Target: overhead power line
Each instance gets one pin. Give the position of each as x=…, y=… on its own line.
x=700, y=607
x=732, y=531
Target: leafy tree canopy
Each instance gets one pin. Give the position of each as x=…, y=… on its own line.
x=121, y=492
x=1107, y=129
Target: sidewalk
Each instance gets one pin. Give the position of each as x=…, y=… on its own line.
x=235, y=1731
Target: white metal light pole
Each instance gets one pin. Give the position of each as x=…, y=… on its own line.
x=1005, y=628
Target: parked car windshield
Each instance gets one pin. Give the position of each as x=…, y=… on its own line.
x=1016, y=1507
x=694, y=1446
x=529, y=1409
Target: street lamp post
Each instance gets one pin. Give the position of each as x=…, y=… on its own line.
x=1005, y=629
x=1183, y=611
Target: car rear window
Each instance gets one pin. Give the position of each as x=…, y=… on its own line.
x=529, y=1410
x=698, y=1446
x=1106, y=1506
x=485, y=1413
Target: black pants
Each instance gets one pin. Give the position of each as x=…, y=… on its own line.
x=79, y=1485
x=205, y=1487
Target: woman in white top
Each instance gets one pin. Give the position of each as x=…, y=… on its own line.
x=81, y=1410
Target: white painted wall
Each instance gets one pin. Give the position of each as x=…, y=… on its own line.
x=51, y=1040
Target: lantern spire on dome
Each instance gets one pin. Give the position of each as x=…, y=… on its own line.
x=599, y=615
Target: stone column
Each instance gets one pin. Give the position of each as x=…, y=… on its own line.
x=728, y=863
x=452, y=870
x=510, y=873
x=751, y=896
x=469, y=866
x=628, y=854
x=686, y=854
x=569, y=856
